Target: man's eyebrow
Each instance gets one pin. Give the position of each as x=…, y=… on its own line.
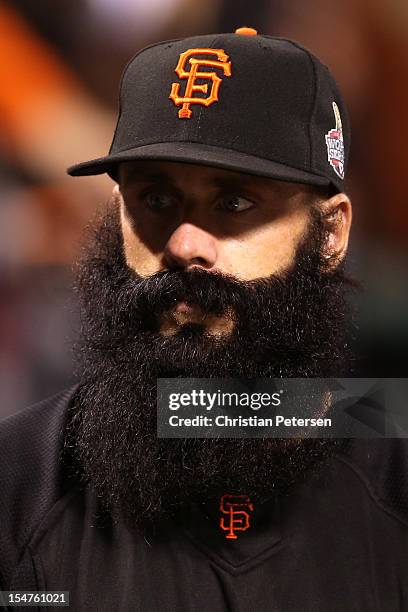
x=230, y=181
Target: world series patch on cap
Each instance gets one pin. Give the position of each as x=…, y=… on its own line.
x=246, y=102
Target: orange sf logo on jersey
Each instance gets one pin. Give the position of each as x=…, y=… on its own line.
x=236, y=508
x=194, y=73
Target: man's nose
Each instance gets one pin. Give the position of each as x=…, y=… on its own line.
x=190, y=245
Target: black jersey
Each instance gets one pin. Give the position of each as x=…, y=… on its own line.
x=338, y=543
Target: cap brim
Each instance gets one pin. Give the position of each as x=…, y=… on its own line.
x=196, y=153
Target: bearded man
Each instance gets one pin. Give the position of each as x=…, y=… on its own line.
x=221, y=254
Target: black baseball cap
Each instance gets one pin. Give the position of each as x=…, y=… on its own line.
x=247, y=102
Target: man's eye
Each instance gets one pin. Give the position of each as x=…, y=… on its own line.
x=157, y=201
x=235, y=204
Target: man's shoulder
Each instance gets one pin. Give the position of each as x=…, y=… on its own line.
x=29, y=438
x=30, y=445
x=382, y=468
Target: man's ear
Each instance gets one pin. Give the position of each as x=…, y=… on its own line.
x=337, y=215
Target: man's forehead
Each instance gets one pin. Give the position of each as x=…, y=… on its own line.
x=170, y=171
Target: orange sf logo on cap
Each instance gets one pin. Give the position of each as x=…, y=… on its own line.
x=193, y=74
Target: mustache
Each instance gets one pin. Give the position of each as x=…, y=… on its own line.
x=213, y=292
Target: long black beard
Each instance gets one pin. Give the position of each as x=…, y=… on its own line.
x=292, y=325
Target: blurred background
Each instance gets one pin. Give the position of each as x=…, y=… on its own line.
x=60, y=65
